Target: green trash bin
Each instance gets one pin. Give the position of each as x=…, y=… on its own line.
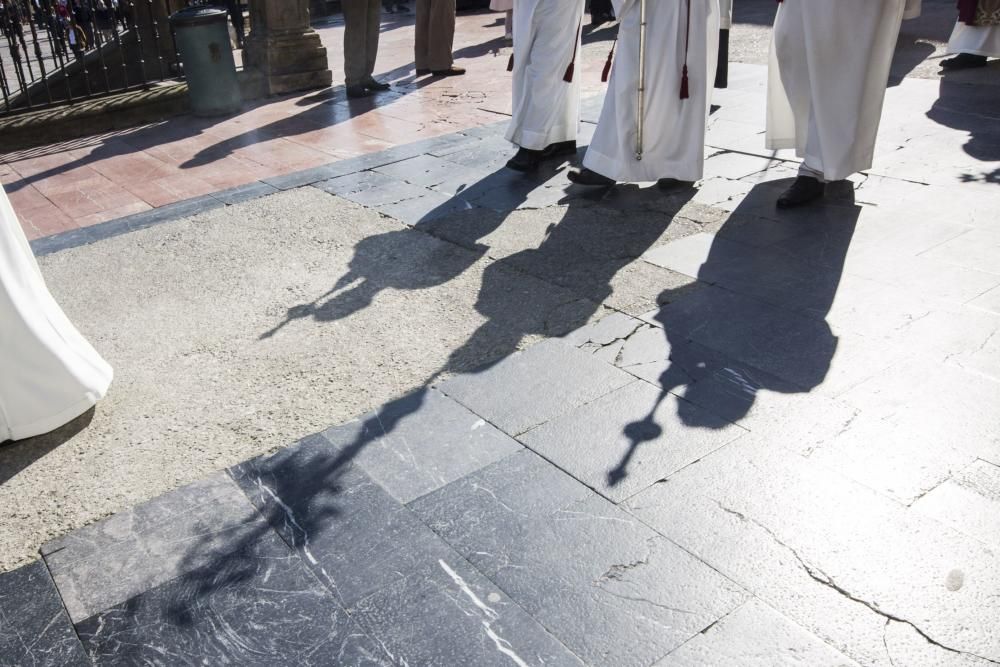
x=202, y=35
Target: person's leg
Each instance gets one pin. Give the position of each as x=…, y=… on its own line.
x=355, y=46
x=371, y=46
x=442, y=36
x=421, y=37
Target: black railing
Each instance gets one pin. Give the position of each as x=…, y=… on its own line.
x=57, y=52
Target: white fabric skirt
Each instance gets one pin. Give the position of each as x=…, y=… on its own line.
x=546, y=108
x=980, y=41
x=501, y=5
x=49, y=374
x=825, y=100
x=674, y=129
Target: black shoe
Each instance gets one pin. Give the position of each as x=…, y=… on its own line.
x=674, y=184
x=422, y=71
x=525, y=160
x=451, y=71
x=559, y=149
x=601, y=18
x=588, y=177
x=964, y=61
x=355, y=92
x=804, y=190
x=372, y=84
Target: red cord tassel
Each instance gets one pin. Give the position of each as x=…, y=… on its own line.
x=684, y=84
x=510, y=63
x=568, y=77
x=607, y=65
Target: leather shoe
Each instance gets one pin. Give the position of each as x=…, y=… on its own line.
x=355, y=92
x=451, y=71
x=588, y=177
x=804, y=190
x=525, y=160
x=964, y=61
x=674, y=184
x=558, y=149
x=372, y=84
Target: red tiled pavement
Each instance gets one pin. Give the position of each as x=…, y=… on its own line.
x=83, y=182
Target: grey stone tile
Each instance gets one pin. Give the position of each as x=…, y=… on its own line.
x=313, y=175
x=109, y=562
x=355, y=537
x=34, y=627
x=107, y=230
x=427, y=207
x=755, y=635
x=893, y=458
x=925, y=275
x=607, y=330
x=604, y=584
x=989, y=301
x=449, y=614
x=800, y=350
x=963, y=336
x=421, y=442
x=48, y=245
x=423, y=170
x=942, y=401
x=370, y=188
x=171, y=212
x=242, y=193
x=624, y=441
x=259, y=605
x=969, y=502
x=806, y=540
x=727, y=164
x=534, y=386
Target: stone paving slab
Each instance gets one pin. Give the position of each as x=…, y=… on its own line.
x=34, y=626
x=112, y=561
x=756, y=636
x=608, y=587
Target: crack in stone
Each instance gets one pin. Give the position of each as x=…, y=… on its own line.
x=818, y=575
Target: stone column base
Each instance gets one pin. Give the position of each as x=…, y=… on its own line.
x=288, y=62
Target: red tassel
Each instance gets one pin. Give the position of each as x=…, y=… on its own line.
x=568, y=77
x=684, y=84
x=607, y=65
x=510, y=63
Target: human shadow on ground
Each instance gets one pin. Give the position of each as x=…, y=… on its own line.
x=974, y=109
x=17, y=455
x=548, y=289
x=758, y=320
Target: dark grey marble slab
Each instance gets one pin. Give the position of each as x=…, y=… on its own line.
x=423, y=170
x=34, y=628
x=257, y=605
x=532, y=387
x=604, y=584
x=624, y=441
x=354, y=536
x=449, y=614
x=419, y=443
x=755, y=635
x=242, y=193
x=109, y=562
x=804, y=539
x=426, y=208
x=371, y=188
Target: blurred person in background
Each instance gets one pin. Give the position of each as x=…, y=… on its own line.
x=976, y=36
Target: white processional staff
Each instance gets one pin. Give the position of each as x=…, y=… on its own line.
x=641, y=113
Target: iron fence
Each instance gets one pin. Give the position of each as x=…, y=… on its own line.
x=58, y=52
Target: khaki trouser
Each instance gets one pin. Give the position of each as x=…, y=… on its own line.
x=361, y=24
x=435, y=34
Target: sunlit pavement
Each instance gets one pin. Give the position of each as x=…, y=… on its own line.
x=610, y=428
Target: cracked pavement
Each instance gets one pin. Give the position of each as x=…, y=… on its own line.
x=430, y=412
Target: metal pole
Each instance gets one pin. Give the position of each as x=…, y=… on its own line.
x=641, y=111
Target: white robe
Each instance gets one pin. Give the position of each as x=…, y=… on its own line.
x=829, y=69
x=977, y=40
x=49, y=374
x=725, y=14
x=674, y=129
x=546, y=108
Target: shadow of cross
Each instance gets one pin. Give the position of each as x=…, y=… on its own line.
x=758, y=321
